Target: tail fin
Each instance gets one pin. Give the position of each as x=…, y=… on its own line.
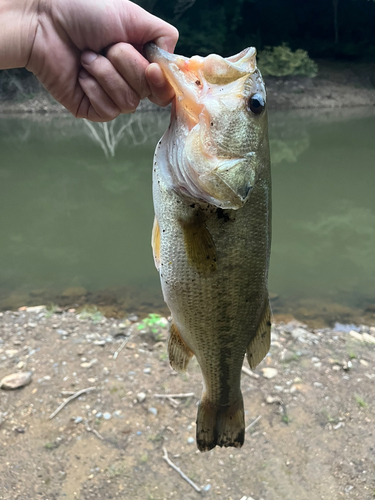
x=220, y=425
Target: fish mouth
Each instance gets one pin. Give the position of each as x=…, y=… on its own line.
x=181, y=73
x=196, y=165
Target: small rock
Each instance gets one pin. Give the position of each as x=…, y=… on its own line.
x=147, y=370
x=124, y=324
x=271, y=399
x=356, y=335
x=298, y=333
x=369, y=339
x=107, y=416
x=336, y=368
x=133, y=318
x=31, y=325
x=287, y=356
x=363, y=362
x=207, y=487
x=21, y=365
x=99, y=414
x=89, y=364
x=190, y=440
x=152, y=410
x=11, y=352
x=269, y=372
x=62, y=332
x=99, y=342
x=78, y=420
x=346, y=366
x=340, y=424
x=35, y=309
x=16, y=380
x=141, y=396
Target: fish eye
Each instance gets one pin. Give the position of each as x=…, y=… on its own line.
x=256, y=104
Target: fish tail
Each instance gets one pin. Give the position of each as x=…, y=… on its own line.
x=220, y=425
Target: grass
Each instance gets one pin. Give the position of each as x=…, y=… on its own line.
x=51, y=309
x=154, y=322
x=361, y=402
x=285, y=418
x=50, y=446
x=91, y=313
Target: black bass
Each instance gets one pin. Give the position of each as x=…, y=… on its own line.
x=212, y=229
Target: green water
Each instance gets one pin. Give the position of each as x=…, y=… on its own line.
x=72, y=215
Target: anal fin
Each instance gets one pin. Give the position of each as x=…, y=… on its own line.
x=261, y=342
x=179, y=353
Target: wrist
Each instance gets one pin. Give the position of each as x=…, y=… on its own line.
x=18, y=25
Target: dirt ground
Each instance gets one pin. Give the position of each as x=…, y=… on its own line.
x=313, y=434
x=337, y=85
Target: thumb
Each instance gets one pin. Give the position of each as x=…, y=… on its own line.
x=143, y=27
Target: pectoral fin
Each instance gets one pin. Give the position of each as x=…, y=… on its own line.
x=199, y=244
x=155, y=243
x=179, y=353
x=260, y=343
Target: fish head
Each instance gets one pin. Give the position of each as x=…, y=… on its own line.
x=217, y=142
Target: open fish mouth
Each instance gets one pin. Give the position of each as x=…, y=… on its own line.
x=211, y=151
x=179, y=73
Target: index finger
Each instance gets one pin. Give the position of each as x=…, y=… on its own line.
x=143, y=27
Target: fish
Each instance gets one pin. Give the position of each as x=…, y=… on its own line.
x=211, y=236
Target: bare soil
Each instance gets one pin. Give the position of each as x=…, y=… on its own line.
x=315, y=438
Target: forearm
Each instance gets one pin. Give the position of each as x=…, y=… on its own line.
x=18, y=24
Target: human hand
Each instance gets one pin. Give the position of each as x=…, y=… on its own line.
x=67, y=56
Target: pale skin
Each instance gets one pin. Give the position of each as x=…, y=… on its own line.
x=87, y=53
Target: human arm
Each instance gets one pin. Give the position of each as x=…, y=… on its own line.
x=55, y=39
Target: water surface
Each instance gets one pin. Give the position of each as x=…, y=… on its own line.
x=76, y=210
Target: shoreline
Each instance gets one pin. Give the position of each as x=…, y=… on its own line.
x=337, y=85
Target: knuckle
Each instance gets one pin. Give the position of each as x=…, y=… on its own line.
x=118, y=52
x=129, y=102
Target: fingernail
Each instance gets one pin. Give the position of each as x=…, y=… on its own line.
x=88, y=57
x=83, y=74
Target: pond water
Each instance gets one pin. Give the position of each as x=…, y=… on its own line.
x=76, y=213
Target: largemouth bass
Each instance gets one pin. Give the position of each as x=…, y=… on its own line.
x=212, y=230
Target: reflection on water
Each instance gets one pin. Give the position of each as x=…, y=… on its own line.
x=76, y=211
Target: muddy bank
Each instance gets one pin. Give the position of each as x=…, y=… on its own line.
x=311, y=403
x=337, y=85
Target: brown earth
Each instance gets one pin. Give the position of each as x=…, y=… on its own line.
x=337, y=85
x=314, y=439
